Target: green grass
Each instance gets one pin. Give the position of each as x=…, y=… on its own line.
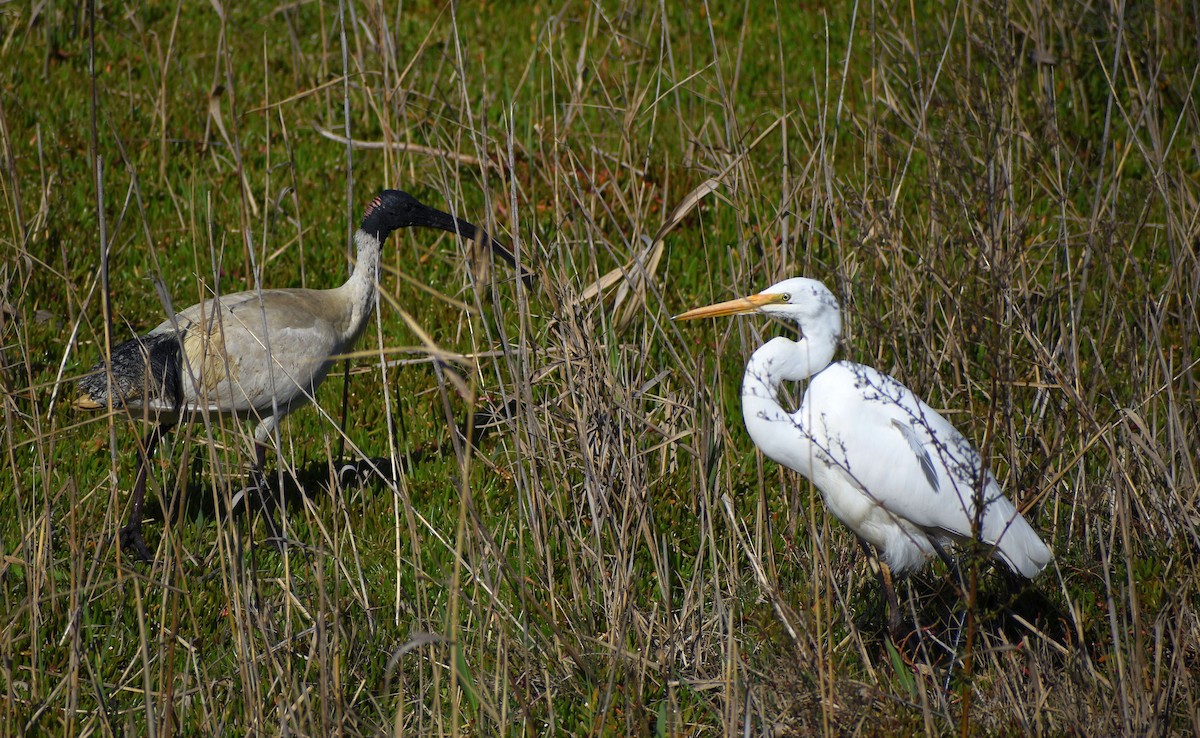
x=1003, y=198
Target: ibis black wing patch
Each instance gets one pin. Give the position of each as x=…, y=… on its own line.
x=144, y=370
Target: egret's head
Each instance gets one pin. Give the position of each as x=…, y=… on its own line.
x=806, y=301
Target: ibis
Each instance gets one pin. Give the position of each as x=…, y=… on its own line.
x=258, y=355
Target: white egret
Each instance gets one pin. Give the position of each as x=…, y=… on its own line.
x=258, y=354
x=888, y=466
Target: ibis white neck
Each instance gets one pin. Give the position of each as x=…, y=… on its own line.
x=363, y=282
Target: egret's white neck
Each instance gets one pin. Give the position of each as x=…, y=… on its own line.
x=780, y=360
x=362, y=284
x=784, y=360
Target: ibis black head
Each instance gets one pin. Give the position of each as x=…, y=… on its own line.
x=395, y=209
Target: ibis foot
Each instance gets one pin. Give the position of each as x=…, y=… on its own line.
x=259, y=500
x=360, y=472
x=276, y=538
x=349, y=474
x=134, y=544
x=279, y=542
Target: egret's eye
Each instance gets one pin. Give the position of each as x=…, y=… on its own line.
x=787, y=297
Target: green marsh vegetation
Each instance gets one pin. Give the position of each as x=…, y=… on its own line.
x=1004, y=197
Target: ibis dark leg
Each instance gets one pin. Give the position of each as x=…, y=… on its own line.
x=258, y=477
x=131, y=535
x=275, y=535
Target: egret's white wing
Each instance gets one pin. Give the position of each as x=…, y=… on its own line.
x=911, y=461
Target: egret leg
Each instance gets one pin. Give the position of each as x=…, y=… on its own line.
x=951, y=564
x=895, y=614
x=961, y=584
x=131, y=535
x=883, y=574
